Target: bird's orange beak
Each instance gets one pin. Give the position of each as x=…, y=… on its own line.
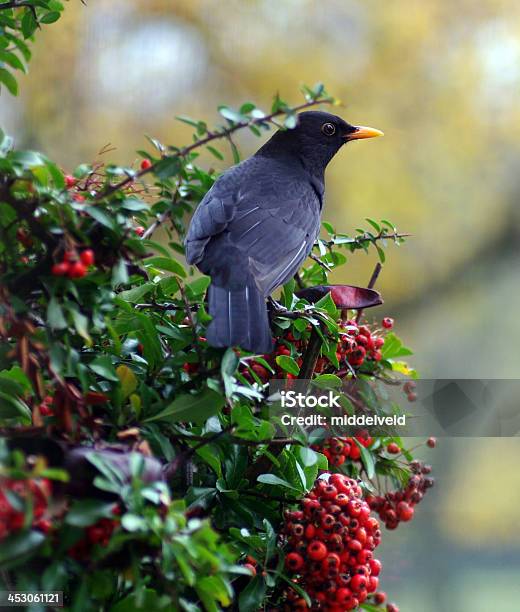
x=363, y=132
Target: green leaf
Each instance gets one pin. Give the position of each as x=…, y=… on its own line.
x=81, y=325
x=9, y=81
x=291, y=122
x=141, y=600
x=55, y=316
x=393, y=347
x=50, y=17
x=196, y=408
x=167, y=167
x=29, y=24
x=375, y=225
x=103, y=366
x=271, y=479
x=167, y=264
x=133, y=522
x=86, y=512
x=23, y=47
x=12, y=60
x=119, y=274
x=228, y=368
x=252, y=597
x=367, y=459
x=327, y=303
x=136, y=294
x=100, y=216
x=328, y=381
x=128, y=380
x=20, y=544
x=12, y=407
x=215, y=152
x=198, y=286
x=230, y=114
x=288, y=364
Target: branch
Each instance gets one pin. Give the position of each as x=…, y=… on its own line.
x=311, y=356
x=359, y=240
x=371, y=283
x=241, y=441
x=223, y=133
x=16, y=4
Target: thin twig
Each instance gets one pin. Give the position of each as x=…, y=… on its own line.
x=311, y=355
x=242, y=441
x=223, y=133
x=320, y=262
x=189, y=314
x=359, y=240
x=371, y=284
x=163, y=217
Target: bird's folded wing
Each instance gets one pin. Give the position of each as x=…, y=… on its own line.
x=274, y=241
x=273, y=233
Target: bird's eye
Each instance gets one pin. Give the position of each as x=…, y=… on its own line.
x=329, y=129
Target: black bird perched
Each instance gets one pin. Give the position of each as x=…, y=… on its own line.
x=258, y=223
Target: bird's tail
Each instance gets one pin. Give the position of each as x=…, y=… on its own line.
x=239, y=319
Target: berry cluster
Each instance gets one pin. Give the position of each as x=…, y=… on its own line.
x=357, y=344
x=74, y=265
x=331, y=540
x=338, y=449
x=397, y=506
x=11, y=518
x=99, y=533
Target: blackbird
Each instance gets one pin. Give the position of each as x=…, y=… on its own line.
x=258, y=223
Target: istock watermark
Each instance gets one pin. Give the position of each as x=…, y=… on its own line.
x=440, y=407
x=294, y=399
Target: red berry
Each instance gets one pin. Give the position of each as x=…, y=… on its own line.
x=46, y=410
x=412, y=397
x=146, y=164
x=404, y=511
x=70, y=181
x=388, y=323
x=77, y=270
x=343, y=595
x=375, y=567
x=294, y=561
x=393, y=448
x=317, y=550
x=139, y=230
x=43, y=525
x=358, y=583
x=409, y=386
x=380, y=598
x=87, y=257
x=391, y=608
x=77, y=197
x=60, y=269
x=70, y=256
x=251, y=568
x=432, y=442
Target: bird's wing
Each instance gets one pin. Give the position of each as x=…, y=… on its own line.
x=267, y=219
x=276, y=240
x=211, y=218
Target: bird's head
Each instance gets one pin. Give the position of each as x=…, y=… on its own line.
x=317, y=137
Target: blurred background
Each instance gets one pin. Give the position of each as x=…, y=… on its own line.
x=442, y=79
